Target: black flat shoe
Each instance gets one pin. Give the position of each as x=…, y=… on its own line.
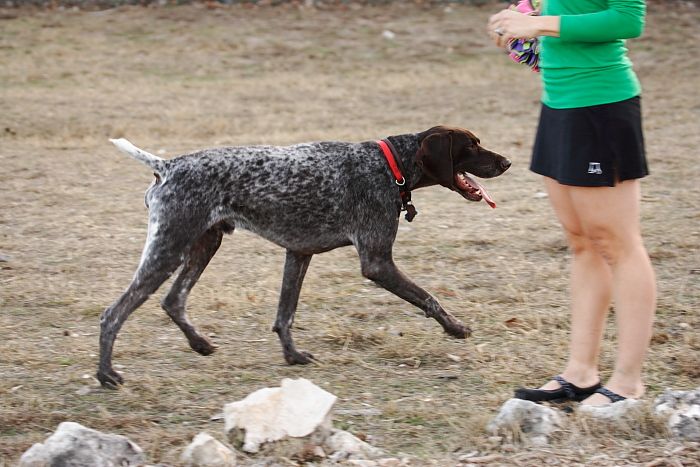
x=567, y=392
x=613, y=396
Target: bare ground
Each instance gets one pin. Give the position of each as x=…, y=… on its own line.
x=72, y=225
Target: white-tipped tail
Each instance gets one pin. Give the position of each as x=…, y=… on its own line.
x=151, y=160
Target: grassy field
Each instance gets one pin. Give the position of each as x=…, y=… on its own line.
x=174, y=79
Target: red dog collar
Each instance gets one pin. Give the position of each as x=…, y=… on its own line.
x=394, y=165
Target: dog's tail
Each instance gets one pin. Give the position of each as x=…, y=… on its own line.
x=153, y=161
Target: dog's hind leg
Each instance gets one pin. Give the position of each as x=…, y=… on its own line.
x=174, y=303
x=295, y=267
x=378, y=266
x=161, y=257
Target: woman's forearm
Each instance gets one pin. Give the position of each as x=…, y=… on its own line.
x=509, y=24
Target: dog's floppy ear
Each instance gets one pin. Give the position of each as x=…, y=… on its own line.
x=435, y=158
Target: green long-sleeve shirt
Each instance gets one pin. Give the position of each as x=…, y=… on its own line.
x=588, y=64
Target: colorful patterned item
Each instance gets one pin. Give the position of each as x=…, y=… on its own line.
x=526, y=51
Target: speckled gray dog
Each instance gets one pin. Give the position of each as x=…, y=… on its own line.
x=307, y=198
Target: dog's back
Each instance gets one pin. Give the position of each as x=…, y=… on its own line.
x=306, y=197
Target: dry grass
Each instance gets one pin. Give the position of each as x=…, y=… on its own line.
x=175, y=79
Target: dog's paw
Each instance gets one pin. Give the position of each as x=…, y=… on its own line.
x=299, y=358
x=110, y=379
x=202, y=346
x=459, y=331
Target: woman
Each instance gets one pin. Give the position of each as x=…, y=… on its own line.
x=590, y=150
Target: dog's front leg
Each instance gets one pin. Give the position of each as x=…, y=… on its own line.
x=378, y=266
x=295, y=267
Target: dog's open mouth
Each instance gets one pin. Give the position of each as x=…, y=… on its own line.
x=471, y=189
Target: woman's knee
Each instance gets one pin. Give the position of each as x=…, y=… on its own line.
x=612, y=244
x=578, y=241
x=598, y=241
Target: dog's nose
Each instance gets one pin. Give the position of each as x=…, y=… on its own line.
x=505, y=163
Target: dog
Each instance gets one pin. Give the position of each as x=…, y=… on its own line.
x=307, y=198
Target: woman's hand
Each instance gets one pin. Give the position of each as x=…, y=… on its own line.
x=508, y=24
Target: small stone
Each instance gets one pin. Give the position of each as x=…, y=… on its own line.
x=345, y=445
x=205, y=451
x=614, y=412
x=74, y=444
x=309, y=453
x=682, y=408
x=319, y=452
x=536, y=422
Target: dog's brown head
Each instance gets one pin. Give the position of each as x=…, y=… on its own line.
x=450, y=156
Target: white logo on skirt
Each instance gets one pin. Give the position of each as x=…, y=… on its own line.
x=594, y=168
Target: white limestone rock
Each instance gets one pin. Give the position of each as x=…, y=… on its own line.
x=74, y=445
x=345, y=445
x=616, y=412
x=535, y=421
x=297, y=409
x=682, y=408
x=206, y=451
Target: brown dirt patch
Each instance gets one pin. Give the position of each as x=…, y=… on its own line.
x=174, y=79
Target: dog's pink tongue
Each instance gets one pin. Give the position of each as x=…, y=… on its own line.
x=488, y=198
x=484, y=194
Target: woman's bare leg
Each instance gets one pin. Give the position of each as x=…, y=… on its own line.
x=590, y=290
x=609, y=218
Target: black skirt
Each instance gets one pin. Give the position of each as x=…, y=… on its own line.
x=591, y=146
